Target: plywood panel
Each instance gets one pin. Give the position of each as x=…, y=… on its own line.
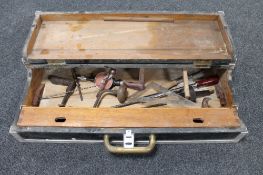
x=37, y=77
x=132, y=117
x=126, y=40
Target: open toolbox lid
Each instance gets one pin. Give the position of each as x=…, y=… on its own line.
x=188, y=39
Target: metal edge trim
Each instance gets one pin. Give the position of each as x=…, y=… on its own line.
x=237, y=139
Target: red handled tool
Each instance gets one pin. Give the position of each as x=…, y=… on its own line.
x=105, y=80
x=210, y=81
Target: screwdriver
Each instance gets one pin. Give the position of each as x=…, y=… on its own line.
x=210, y=81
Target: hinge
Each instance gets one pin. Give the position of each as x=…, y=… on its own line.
x=202, y=63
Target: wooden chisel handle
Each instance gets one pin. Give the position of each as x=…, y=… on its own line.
x=135, y=86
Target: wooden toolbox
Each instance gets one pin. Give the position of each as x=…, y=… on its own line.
x=130, y=80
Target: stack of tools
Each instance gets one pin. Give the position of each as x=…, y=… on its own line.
x=104, y=81
x=172, y=97
x=184, y=91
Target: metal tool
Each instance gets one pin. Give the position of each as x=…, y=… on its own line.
x=121, y=95
x=155, y=98
x=75, y=78
x=193, y=75
x=106, y=80
x=205, y=102
x=71, y=85
x=102, y=94
x=196, y=93
x=172, y=100
x=204, y=82
x=210, y=81
x=60, y=95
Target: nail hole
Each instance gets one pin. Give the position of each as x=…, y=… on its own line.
x=198, y=120
x=60, y=119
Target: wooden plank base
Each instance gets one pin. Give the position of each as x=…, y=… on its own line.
x=130, y=118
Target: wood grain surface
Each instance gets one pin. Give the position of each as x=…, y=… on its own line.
x=128, y=38
x=130, y=117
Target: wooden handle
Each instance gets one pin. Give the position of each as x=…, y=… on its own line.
x=186, y=84
x=135, y=86
x=207, y=82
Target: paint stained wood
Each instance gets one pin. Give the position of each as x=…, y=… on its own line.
x=126, y=38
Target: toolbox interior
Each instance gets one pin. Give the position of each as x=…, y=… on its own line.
x=79, y=113
x=53, y=94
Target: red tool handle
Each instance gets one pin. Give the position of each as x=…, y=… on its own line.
x=207, y=82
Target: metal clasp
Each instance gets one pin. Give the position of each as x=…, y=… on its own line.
x=202, y=63
x=128, y=139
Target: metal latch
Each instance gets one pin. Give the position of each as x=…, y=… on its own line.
x=128, y=139
x=202, y=63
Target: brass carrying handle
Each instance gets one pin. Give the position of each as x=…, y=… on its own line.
x=135, y=150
